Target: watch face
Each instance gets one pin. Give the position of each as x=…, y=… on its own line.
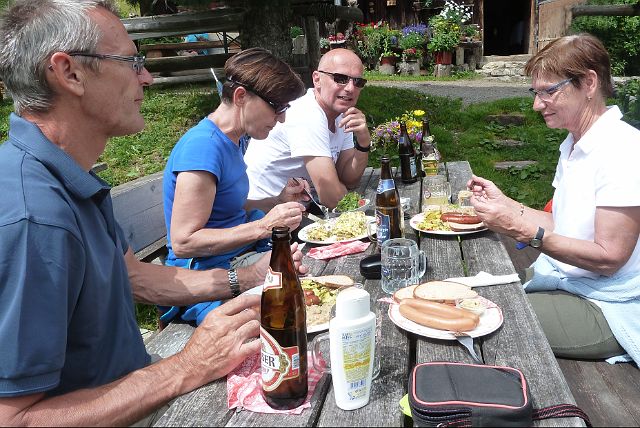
x=536, y=243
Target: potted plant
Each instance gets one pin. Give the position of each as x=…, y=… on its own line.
x=374, y=40
x=324, y=45
x=470, y=32
x=413, y=42
x=446, y=36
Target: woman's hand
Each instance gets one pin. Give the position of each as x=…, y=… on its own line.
x=287, y=214
x=294, y=191
x=498, y=212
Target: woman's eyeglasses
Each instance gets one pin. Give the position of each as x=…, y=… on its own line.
x=343, y=79
x=547, y=94
x=278, y=108
x=137, y=60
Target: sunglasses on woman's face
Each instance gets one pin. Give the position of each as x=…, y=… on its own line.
x=343, y=79
x=277, y=108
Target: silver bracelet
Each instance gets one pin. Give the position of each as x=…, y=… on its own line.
x=234, y=285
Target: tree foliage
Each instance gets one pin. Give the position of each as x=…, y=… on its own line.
x=620, y=35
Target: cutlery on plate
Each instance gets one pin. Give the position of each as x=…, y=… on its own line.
x=325, y=210
x=467, y=342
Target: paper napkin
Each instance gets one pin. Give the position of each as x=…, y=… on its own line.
x=483, y=279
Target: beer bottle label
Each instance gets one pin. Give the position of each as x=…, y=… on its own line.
x=278, y=363
x=412, y=167
x=383, y=224
x=272, y=280
x=385, y=185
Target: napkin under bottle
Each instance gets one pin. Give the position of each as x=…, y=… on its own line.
x=244, y=388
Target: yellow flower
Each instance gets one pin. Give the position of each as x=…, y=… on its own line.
x=418, y=113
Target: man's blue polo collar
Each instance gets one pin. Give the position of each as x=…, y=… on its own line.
x=28, y=137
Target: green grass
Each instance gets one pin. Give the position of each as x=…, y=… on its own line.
x=376, y=76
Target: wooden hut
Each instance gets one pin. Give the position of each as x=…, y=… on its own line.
x=509, y=27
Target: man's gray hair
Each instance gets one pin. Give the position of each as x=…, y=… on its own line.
x=31, y=31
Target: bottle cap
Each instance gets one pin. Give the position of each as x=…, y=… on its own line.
x=352, y=303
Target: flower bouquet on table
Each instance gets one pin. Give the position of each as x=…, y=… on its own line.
x=386, y=134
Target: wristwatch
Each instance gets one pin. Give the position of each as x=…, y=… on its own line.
x=359, y=148
x=536, y=242
x=234, y=285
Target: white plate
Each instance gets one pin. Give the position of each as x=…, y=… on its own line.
x=417, y=219
x=302, y=234
x=313, y=329
x=490, y=321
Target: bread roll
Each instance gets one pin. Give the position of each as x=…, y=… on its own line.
x=404, y=293
x=443, y=291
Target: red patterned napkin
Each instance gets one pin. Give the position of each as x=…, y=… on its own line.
x=243, y=387
x=338, y=249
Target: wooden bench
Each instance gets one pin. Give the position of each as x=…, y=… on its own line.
x=139, y=211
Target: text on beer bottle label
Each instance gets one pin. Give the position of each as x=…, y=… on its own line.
x=278, y=363
x=383, y=223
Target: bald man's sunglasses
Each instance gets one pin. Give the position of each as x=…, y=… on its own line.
x=343, y=79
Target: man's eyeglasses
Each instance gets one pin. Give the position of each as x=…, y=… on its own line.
x=547, y=94
x=137, y=60
x=343, y=79
x=278, y=108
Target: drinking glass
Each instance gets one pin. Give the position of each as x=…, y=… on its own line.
x=437, y=191
x=403, y=264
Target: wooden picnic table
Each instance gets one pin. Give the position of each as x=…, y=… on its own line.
x=518, y=343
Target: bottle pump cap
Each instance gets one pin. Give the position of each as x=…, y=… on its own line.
x=352, y=303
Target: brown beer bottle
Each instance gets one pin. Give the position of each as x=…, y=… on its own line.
x=408, y=169
x=430, y=155
x=389, y=216
x=283, y=329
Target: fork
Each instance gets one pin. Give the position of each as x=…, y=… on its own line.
x=325, y=210
x=467, y=341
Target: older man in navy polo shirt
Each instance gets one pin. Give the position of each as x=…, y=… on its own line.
x=71, y=351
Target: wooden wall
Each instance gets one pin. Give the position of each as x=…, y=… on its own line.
x=553, y=20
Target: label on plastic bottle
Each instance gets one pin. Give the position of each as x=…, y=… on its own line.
x=278, y=363
x=356, y=354
x=272, y=280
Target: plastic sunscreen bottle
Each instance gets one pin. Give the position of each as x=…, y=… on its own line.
x=352, y=345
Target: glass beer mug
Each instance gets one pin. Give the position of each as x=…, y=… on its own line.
x=403, y=264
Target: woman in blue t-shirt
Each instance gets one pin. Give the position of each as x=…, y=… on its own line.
x=210, y=222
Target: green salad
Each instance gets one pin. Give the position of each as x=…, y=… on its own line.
x=349, y=202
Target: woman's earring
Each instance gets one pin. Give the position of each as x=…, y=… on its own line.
x=50, y=67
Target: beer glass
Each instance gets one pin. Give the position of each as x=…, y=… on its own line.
x=437, y=191
x=403, y=264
